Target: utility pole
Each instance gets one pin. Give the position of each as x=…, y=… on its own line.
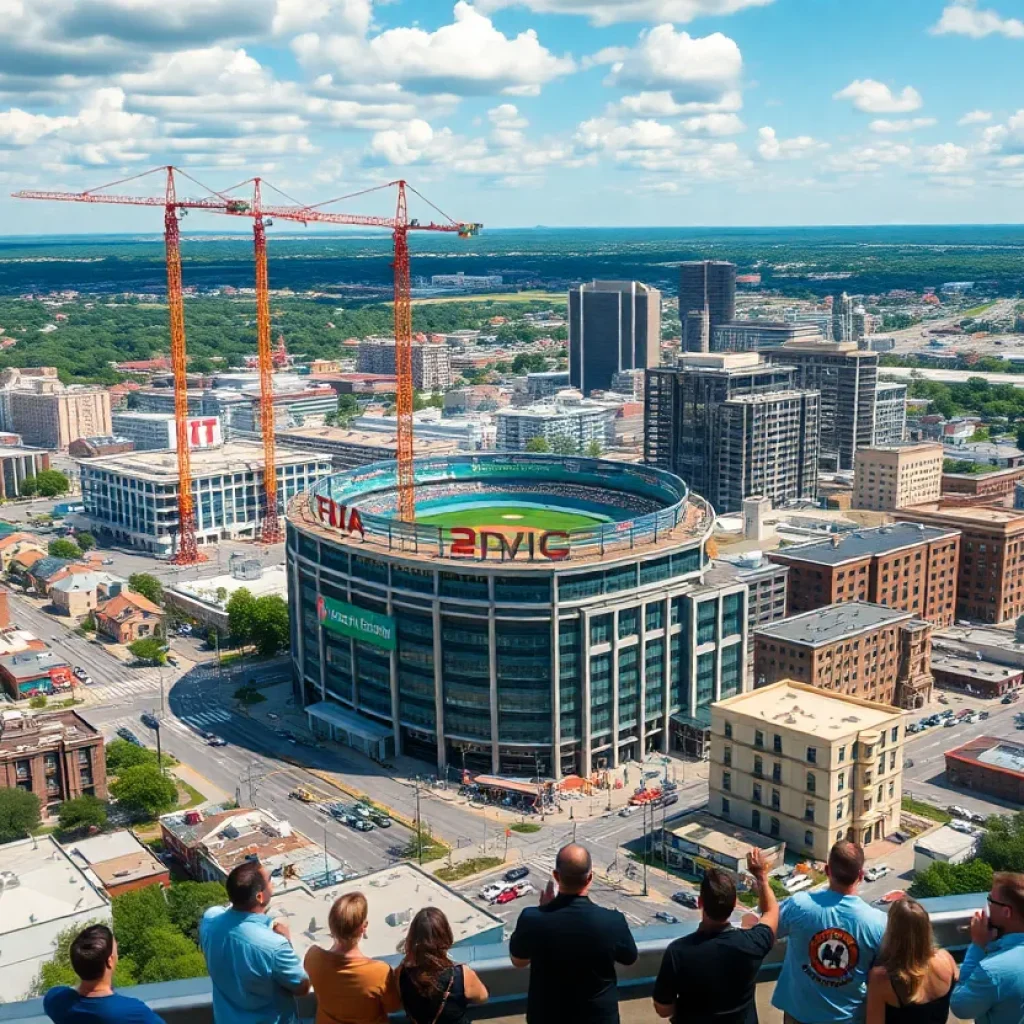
x=159, y=753
x=419, y=824
x=647, y=840
x=326, y=867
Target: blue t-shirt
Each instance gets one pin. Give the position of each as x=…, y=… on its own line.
x=253, y=969
x=65, y=1005
x=833, y=942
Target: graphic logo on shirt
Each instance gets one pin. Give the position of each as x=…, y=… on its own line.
x=833, y=955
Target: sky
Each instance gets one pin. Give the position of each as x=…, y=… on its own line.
x=523, y=112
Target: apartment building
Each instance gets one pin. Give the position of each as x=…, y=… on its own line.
x=49, y=415
x=890, y=413
x=888, y=477
x=990, y=584
x=859, y=649
x=431, y=364
x=912, y=567
x=581, y=423
x=807, y=767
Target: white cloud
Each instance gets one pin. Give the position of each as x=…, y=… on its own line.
x=1007, y=138
x=662, y=104
x=508, y=126
x=713, y=124
x=882, y=126
x=869, y=159
x=945, y=158
x=352, y=16
x=403, y=145
x=771, y=147
x=877, y=98
x=963, y=18
x=608, y=12
x=975, y=117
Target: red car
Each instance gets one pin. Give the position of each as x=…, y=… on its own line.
x=507, y=896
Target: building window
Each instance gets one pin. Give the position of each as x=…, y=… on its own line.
x=727, y=756
x=892, y=760
x=758, y=738
x=809, y=811
x=757, y=793
x=727, y=781
x=842, y=781
x=809, y=840
x=881, y=764
x=755, y=820
x=812, y=783
x=725, y=807
x=774, y=827
x=842, y=754
x=839, y=811
x=895, y=732
x=892, y=790
x=776, y=800
x=758, y=767
x=776, y=772
x=812, y=755
x=728, y=730
x=777, y=744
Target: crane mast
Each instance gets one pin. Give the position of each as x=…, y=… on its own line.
x=403, y=360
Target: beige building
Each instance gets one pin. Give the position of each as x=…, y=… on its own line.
x=888, y=477
x=810, y=768
x=49, y=415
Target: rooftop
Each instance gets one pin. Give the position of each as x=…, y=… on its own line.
x=834, y=622
x=364, y=439
x=29, y=664
x=972, y=667
x=274, y=580
x=967, y=514
x=860, y=544
x=993, y=752
x=115, y=859
x=718, y=835
x=20, y=731
x=946, y=841
x=810, y=710
x=907, y=448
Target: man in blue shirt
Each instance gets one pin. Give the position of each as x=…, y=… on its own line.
x=94, y=1001
x=833, y=939
x=991, y=988
x=255, y=972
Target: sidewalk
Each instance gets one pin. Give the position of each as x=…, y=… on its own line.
x=214, y=794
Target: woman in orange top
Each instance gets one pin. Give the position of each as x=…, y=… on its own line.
x=350, y=987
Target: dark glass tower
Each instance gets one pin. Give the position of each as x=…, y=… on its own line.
x=716, y=280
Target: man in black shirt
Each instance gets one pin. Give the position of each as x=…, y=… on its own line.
x=571, y=947
x=708, y=977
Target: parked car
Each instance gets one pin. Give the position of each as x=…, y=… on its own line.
x=664, y=915
x=958, y=812
x=361, y=810
x=962, y=826
x=506, y=896
x=516, y=873
x=892, y=896
x=978, y=819
x=877, y=872
x=626, y=811
x=984, y=715
x=963, y=713
x=362, y=824
x=107, y=561
x=150, y=720
x=78, y=672
x=126, y=734
x=217, y=741
x=380, y=820
x=492, y=891
x=685, y=899
x=943, y=700
x=908, y=763
x=1008, y=699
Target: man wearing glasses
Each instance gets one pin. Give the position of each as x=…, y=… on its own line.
x=991, y=987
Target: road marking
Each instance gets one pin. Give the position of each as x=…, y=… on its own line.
x=207, y=717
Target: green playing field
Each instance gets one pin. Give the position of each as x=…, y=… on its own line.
x=510, y=517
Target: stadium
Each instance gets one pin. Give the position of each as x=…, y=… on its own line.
x=543, y=615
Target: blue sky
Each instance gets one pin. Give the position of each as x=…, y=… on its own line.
x=522, y=112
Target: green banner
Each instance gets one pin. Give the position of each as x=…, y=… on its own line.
x=348, y=620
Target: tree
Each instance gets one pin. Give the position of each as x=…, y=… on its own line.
x=149, y=648
x=539, y=445
x=19, y=814
x=529, y=362
x=121, y=754
x=241, y=608
x=38, y=701
x=594, y=450
x=565, y=446
x=63, y=548
x=59, y=971
x=170, y=956
x=146, y=789
x=1002, y=845
x=82, y=812
x=942, y=879
x=269, y=625
x=148, y=586
x=222, y=594
x=84, y=540
x=188, y=901
x=52, y=482
x=147, y=933
x=348, y=407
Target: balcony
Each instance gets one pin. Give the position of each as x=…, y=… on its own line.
x=189, y=1002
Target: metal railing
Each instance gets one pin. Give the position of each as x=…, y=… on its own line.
x=190, y=1002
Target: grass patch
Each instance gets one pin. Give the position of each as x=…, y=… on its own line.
x=194, y=797
x=510, y=516
x=925, y=810
x=468, y=867
x=525, y=827
x=433, y=849
x=247, y=695
x=977, y=310
x=227, y=657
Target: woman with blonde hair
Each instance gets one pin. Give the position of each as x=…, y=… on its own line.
x=912, y=980
x=350, y=988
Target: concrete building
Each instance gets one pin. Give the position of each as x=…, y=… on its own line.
x=944, y=846
x=888, y=477
x=989, y=765
x=847, y=379
x=969, y=675
x=807, y=767
x=997, y=484
x=49, y=415
x=55, y=754
x=431, y=364
x=890, y=413
x=32, y=672
x=546, y=384
x=579, y=422
x=733, y=426
x=990, y=584
x=904, y=566
x=710, y=282
x=201, y=598
x=987, y=453
x=471, y=432
x=760, y=335
x=766, y=583
x=613, y=326
x=156, y=431
x=45, y=893
x=118, y=862
x=351, y=448
x=858, y=649
x=133, y=499
x=17, y=463
x=691, y=842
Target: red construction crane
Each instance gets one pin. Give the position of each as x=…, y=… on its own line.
x=174, y=208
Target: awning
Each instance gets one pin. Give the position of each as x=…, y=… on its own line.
x=493, y=782
x=350, y=721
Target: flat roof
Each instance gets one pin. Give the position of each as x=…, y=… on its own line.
x=364, y=439
x=909, y=446
x=991, y=752
x=834, y=622
x=704, y=829
x=858, y=544
x=946, y=841
x=810, y=710
x=274, y=580
x=985, y=515
x=972, y=667
x=393, y=896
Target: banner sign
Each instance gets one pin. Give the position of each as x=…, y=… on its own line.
x=348, y=620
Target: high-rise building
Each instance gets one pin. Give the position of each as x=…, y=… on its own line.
x=842, y=318
x=760, y=335
x=431, y=364
x=579, y=423
x=888, y=477
x=613, y=326
x=890, y=413
x=711, y=283
x=810, y=767
x=696, y=331
x=731, y=426
x=49, y=415
x=847, y=379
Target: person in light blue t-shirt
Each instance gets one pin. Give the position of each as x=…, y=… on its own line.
x=255, y=973
x=833, y=939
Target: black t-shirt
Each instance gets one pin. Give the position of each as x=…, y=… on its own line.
x=711, y=975
x=573, y=946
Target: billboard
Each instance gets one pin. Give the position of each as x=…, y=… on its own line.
x=348, y=620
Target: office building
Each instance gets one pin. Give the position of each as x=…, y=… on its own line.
x=696, y=331
x=133, y=499
x=49, y=415
x=546, y=384
x=888, y=477
x=470, y=432
x=905, y=566
x=807, y=767
x=760, y=335
x=847, y=379
x=821, y=321
x=156, y=431
x=990, y=583
x=431, y=364
x=953, y=671
x=630, y=383
x=711, y=283
x=990, y=765
x=860, y=649
x=842, y=318
x=613, y=326
x=578, y=422
x=733, y=426
x=766, y=583
x=890, y=413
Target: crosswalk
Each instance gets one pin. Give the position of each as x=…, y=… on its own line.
x=122, y=689
x=204, y=719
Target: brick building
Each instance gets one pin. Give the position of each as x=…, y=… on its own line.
x=57, y=755
x=984, y=486
x=906, y=566
x=858, y=649
x=988, y=765
x=990, y=583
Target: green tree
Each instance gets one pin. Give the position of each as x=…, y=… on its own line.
x=169, y=956
x=188, y=901
x=241, y=608
x=29, y=487
x=942, y=879
x=52, y=482
x=19, y=814
x=529, y=362
x=86, y=541
x=144, y=788
x=565, y=446
x=148, y=586
x=538, y=445
x=594, y=450
x=59, y=971
x=1002, y=845
x=121, y=754
x=38, y=701
x=201, y=364
x=63, y=548
x=82, y=812
x=348, y=408
x=269, y=625
x=135, y=913
x=149, y=648
x=147, y=933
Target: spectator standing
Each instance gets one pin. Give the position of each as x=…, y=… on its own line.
x=350, y=987
x=709, y=976
x=913, y=980
x=834, y=937
x=991, y=988
x=94, y=1001
x=572, y=946
x=434, y=989
x=254, y=970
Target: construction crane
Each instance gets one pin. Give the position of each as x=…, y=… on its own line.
x=174, y=208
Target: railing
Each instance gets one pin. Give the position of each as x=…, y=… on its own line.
x=189, y=1002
